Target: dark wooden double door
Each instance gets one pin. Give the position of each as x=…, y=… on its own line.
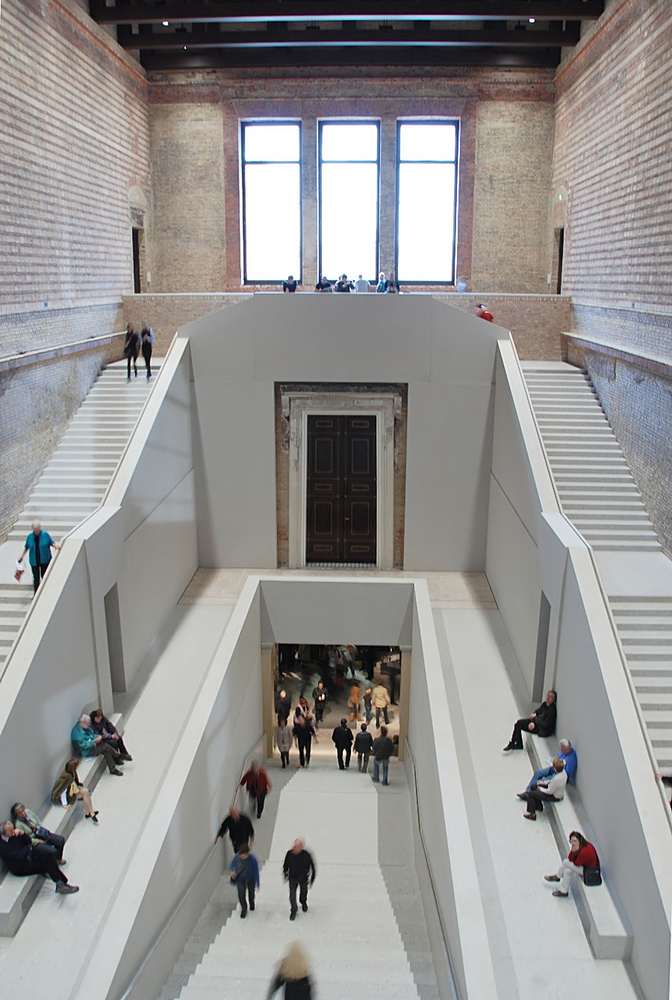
x=341, y=489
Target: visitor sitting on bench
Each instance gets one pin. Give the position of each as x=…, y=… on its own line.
x=22, y=858
x=102, y=726
x=68, y=789
x=87, y=744
x=547, y=791
x=566, y=753
x=27, y=822
x=539, y=723
x=582, y=855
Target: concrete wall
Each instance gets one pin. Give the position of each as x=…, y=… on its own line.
x=143, y=539
x=445, y=356
x=443, y=813
x=531, y=547
x=225, y=723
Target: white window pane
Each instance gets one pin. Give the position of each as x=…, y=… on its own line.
x=272, y=221
x=349, y=208
x=272, y=142
x=349, y=142
x=426, y=221
x=427, y=142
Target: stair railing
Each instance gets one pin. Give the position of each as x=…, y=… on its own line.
x=605, y=598
x=45, y=578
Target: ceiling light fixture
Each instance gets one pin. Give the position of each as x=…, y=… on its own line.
x=531, y=20
x=165, y=24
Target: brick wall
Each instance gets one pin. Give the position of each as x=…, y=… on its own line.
x=514, y=144
x=612, y=170
x=74, y=159
x=191, y=113
x=187, y=252
x=167, y=313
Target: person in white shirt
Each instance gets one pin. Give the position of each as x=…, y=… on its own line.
x=552, y=790
x=361, y=284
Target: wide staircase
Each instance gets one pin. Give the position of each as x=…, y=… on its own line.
x=600, y=497
x=76, y=478
x=351, y=931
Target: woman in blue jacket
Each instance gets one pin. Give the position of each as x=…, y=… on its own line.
x=38, y=546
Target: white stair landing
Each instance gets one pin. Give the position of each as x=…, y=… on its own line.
x=350, y=932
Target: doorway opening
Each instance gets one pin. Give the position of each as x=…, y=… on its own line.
x=558, y=255
x=334, y=682
x=137, y=278
x=115, y=646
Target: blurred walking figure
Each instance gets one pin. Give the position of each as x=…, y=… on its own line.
x=354, y=703
x=257, y=784
x=297, y=868
x=342, y=737
x=131, y=348
x=381, y=699
x=245, y=873
x=146, y=341
x=239, y=827
x=304, y=733
x=368, y=704
x=293, y=975
x=363, y=748
x=283, y=740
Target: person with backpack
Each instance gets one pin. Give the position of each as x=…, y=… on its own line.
x=363, y=748
x=146, y=341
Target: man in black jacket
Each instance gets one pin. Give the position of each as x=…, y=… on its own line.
x=382, y=751
x=297, y=868
x=239, y=827
x=540, y=723
x=363, y=748
x=18, y=853
x=342, y=737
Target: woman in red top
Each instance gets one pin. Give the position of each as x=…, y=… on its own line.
x=582, y=853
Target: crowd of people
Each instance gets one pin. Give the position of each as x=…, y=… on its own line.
x=29, y=848
x=548, y=785
x=343, y=284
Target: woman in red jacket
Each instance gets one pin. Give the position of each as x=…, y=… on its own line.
x=582, y=854
x=257, y=784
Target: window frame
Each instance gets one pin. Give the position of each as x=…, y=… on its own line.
x=455, y=122
x=321, y=122
x=243, y=124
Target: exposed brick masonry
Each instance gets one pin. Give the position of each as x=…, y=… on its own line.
x=496, y=108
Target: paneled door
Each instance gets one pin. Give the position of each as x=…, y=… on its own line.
x=341, y=489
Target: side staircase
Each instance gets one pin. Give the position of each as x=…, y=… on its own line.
x=75, y=479
x=599, y=495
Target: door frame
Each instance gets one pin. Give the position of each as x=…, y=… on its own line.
x=297, y=407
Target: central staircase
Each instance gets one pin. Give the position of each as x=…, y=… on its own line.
x=350, y=931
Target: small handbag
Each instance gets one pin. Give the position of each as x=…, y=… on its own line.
x=593, y=875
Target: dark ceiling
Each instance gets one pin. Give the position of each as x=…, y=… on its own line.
x=204, y=34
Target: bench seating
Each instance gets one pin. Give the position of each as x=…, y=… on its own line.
x=605, y=924
x=18, y=892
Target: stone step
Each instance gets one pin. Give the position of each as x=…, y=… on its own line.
x=633, y=637
x=626, y=546
x=642, y=652
x=632, y=626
